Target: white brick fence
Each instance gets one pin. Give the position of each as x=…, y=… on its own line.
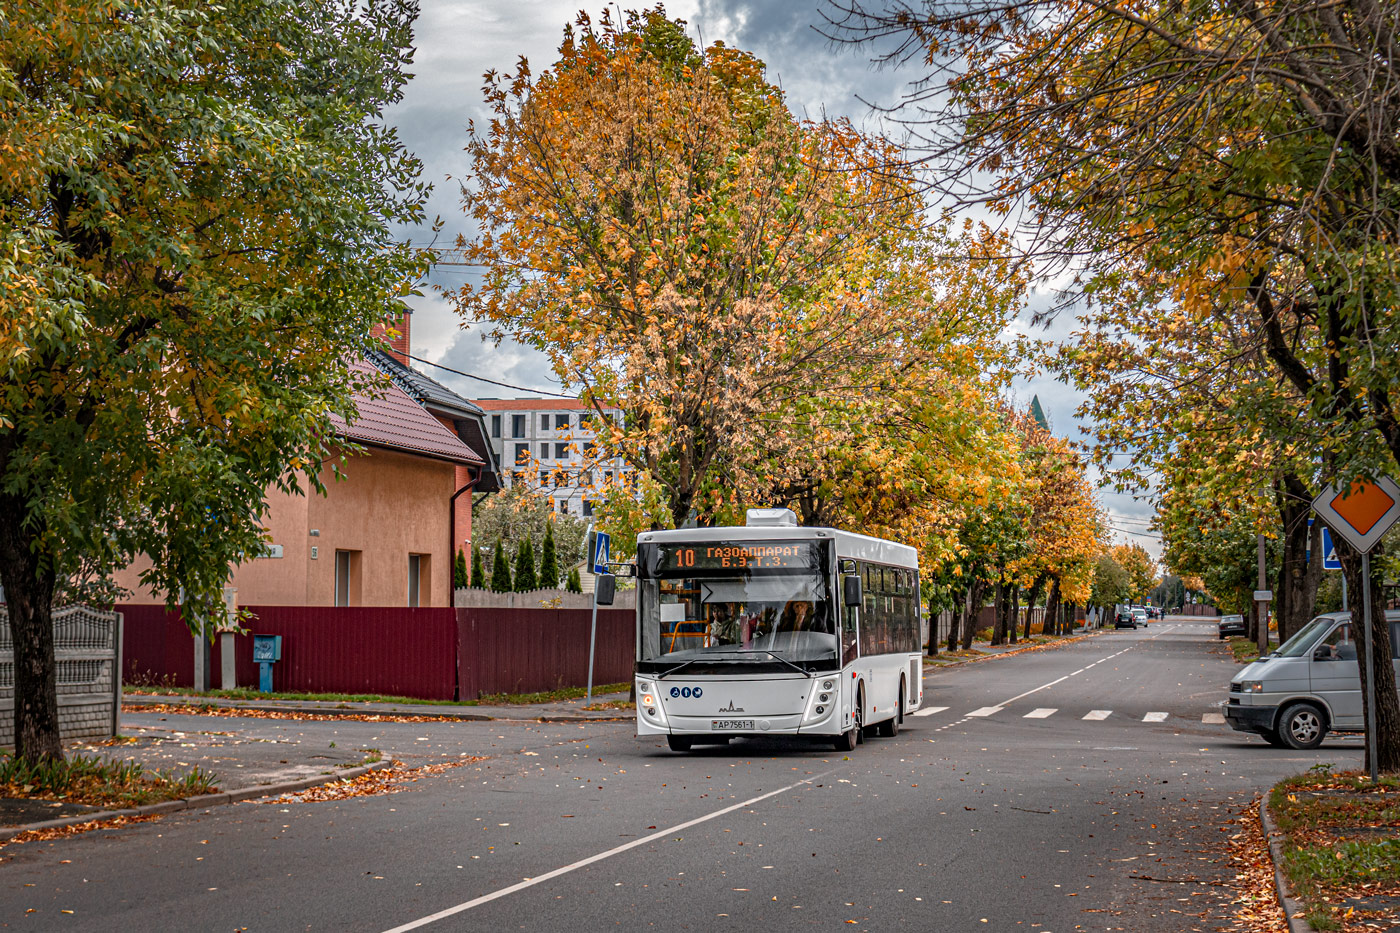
x=87, y=646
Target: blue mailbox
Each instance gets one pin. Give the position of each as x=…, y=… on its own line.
x=267, y=650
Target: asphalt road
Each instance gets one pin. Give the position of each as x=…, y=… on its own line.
x=1004, y=808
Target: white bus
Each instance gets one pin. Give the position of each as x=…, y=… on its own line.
x=773, y=629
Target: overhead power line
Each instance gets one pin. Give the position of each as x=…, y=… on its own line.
x=504, y=385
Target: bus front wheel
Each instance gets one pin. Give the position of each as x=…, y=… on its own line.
x=847, y=741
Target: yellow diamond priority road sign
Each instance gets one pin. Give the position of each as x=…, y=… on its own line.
x=1362, y=512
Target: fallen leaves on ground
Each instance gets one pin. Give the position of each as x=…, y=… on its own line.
x=390, y=780
x=44, y=835
x=176, y=709
x=1255, y=906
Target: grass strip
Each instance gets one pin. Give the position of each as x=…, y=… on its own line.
x=248, y=693
x=549, y=696
x=1341, y=841
x=98, y=782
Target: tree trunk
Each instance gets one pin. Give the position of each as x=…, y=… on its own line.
x=1252, y=622
x=999, y=602
x=960, y=618
x=1015, y=614
x=1294, y=602
x=974, y=612
x=29, y=590
x=1387, y=722
x=1051, y=626
x=1031, y=597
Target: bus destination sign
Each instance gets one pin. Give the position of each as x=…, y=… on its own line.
x=729, y=555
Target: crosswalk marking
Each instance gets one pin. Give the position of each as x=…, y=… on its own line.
x=1155, y=717
x=1042, y=713
x=1098, y=714
x=1216, y=719
x=930, y=710
x=986, y=711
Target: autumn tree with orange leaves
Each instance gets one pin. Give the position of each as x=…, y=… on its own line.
x=762, y=297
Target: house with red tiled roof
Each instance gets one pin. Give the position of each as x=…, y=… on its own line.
x=395, y=510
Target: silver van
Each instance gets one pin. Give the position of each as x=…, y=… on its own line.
x=1310, y=685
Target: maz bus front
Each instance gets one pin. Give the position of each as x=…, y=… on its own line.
x=772, y=629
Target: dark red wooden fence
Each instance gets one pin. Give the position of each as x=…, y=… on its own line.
x=529, y=650
x=435, y=654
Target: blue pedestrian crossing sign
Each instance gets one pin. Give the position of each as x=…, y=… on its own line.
x=1330, y=560
x=602, y=543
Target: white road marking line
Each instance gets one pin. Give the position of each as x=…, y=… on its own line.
x=929, y=710
x=986, y=711
x=1036, y=690
x=583, y=863
x=1155, y=717
x=1213, y=718
x=1098, y=714
x=1041, y=713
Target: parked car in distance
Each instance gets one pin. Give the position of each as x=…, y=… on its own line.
x=1141, y=615
x=1231, y=625
x=1125, y=619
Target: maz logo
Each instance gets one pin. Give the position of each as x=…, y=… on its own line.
x=731, y=708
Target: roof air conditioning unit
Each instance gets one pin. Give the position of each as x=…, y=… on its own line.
x=771, y=518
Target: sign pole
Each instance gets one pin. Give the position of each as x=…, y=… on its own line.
x=1370, y=664
x=1262, y=604
x=592, y=641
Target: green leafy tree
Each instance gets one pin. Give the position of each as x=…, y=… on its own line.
x=500, y=569
x=574, y=584
x=520, y=512
x=478, y=580
x=525, y=578
x=549, y=560
x=1111, y=586
x=196, y=205
x=459, y=570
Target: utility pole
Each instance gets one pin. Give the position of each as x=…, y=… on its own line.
x=1261, y=600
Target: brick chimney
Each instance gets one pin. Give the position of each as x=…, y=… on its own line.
x=396, y=333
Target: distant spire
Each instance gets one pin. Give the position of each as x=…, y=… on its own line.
x=1038, y=413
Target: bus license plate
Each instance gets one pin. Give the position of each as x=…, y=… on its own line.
x=722, y=725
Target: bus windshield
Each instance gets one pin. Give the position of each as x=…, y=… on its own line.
x=736, y=605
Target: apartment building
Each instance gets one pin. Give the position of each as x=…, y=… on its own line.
x=549, y=444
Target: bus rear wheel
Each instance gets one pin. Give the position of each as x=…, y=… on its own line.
x=679, y=743
x=890, y=727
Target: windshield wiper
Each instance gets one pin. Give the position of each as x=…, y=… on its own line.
x=669, y=671
x=777, y=657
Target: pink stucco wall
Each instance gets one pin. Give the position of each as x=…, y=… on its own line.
x=386, y=506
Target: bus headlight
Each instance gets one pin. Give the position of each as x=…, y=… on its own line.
x=826, y=685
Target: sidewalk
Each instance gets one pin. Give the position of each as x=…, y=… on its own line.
x=982, y=650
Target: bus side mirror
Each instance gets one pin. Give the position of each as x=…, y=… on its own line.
x=850, y=590
x=604, y=588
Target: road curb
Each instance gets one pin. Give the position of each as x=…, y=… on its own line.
x=196, y=708
x=200, y=802
x=1292, y=907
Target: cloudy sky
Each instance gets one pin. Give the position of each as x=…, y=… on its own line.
x=459, y=40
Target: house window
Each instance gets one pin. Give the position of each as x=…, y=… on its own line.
x=544, y=422
x=517, y=425
x=544, y=478
x=561, y=422
x=585, y=421
x=590, y=450
x=419, y=581
x=561, y=451
x=495, y=425
x=563, y=506
x=347, y=578
x=522, y=453
x=587, y=508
